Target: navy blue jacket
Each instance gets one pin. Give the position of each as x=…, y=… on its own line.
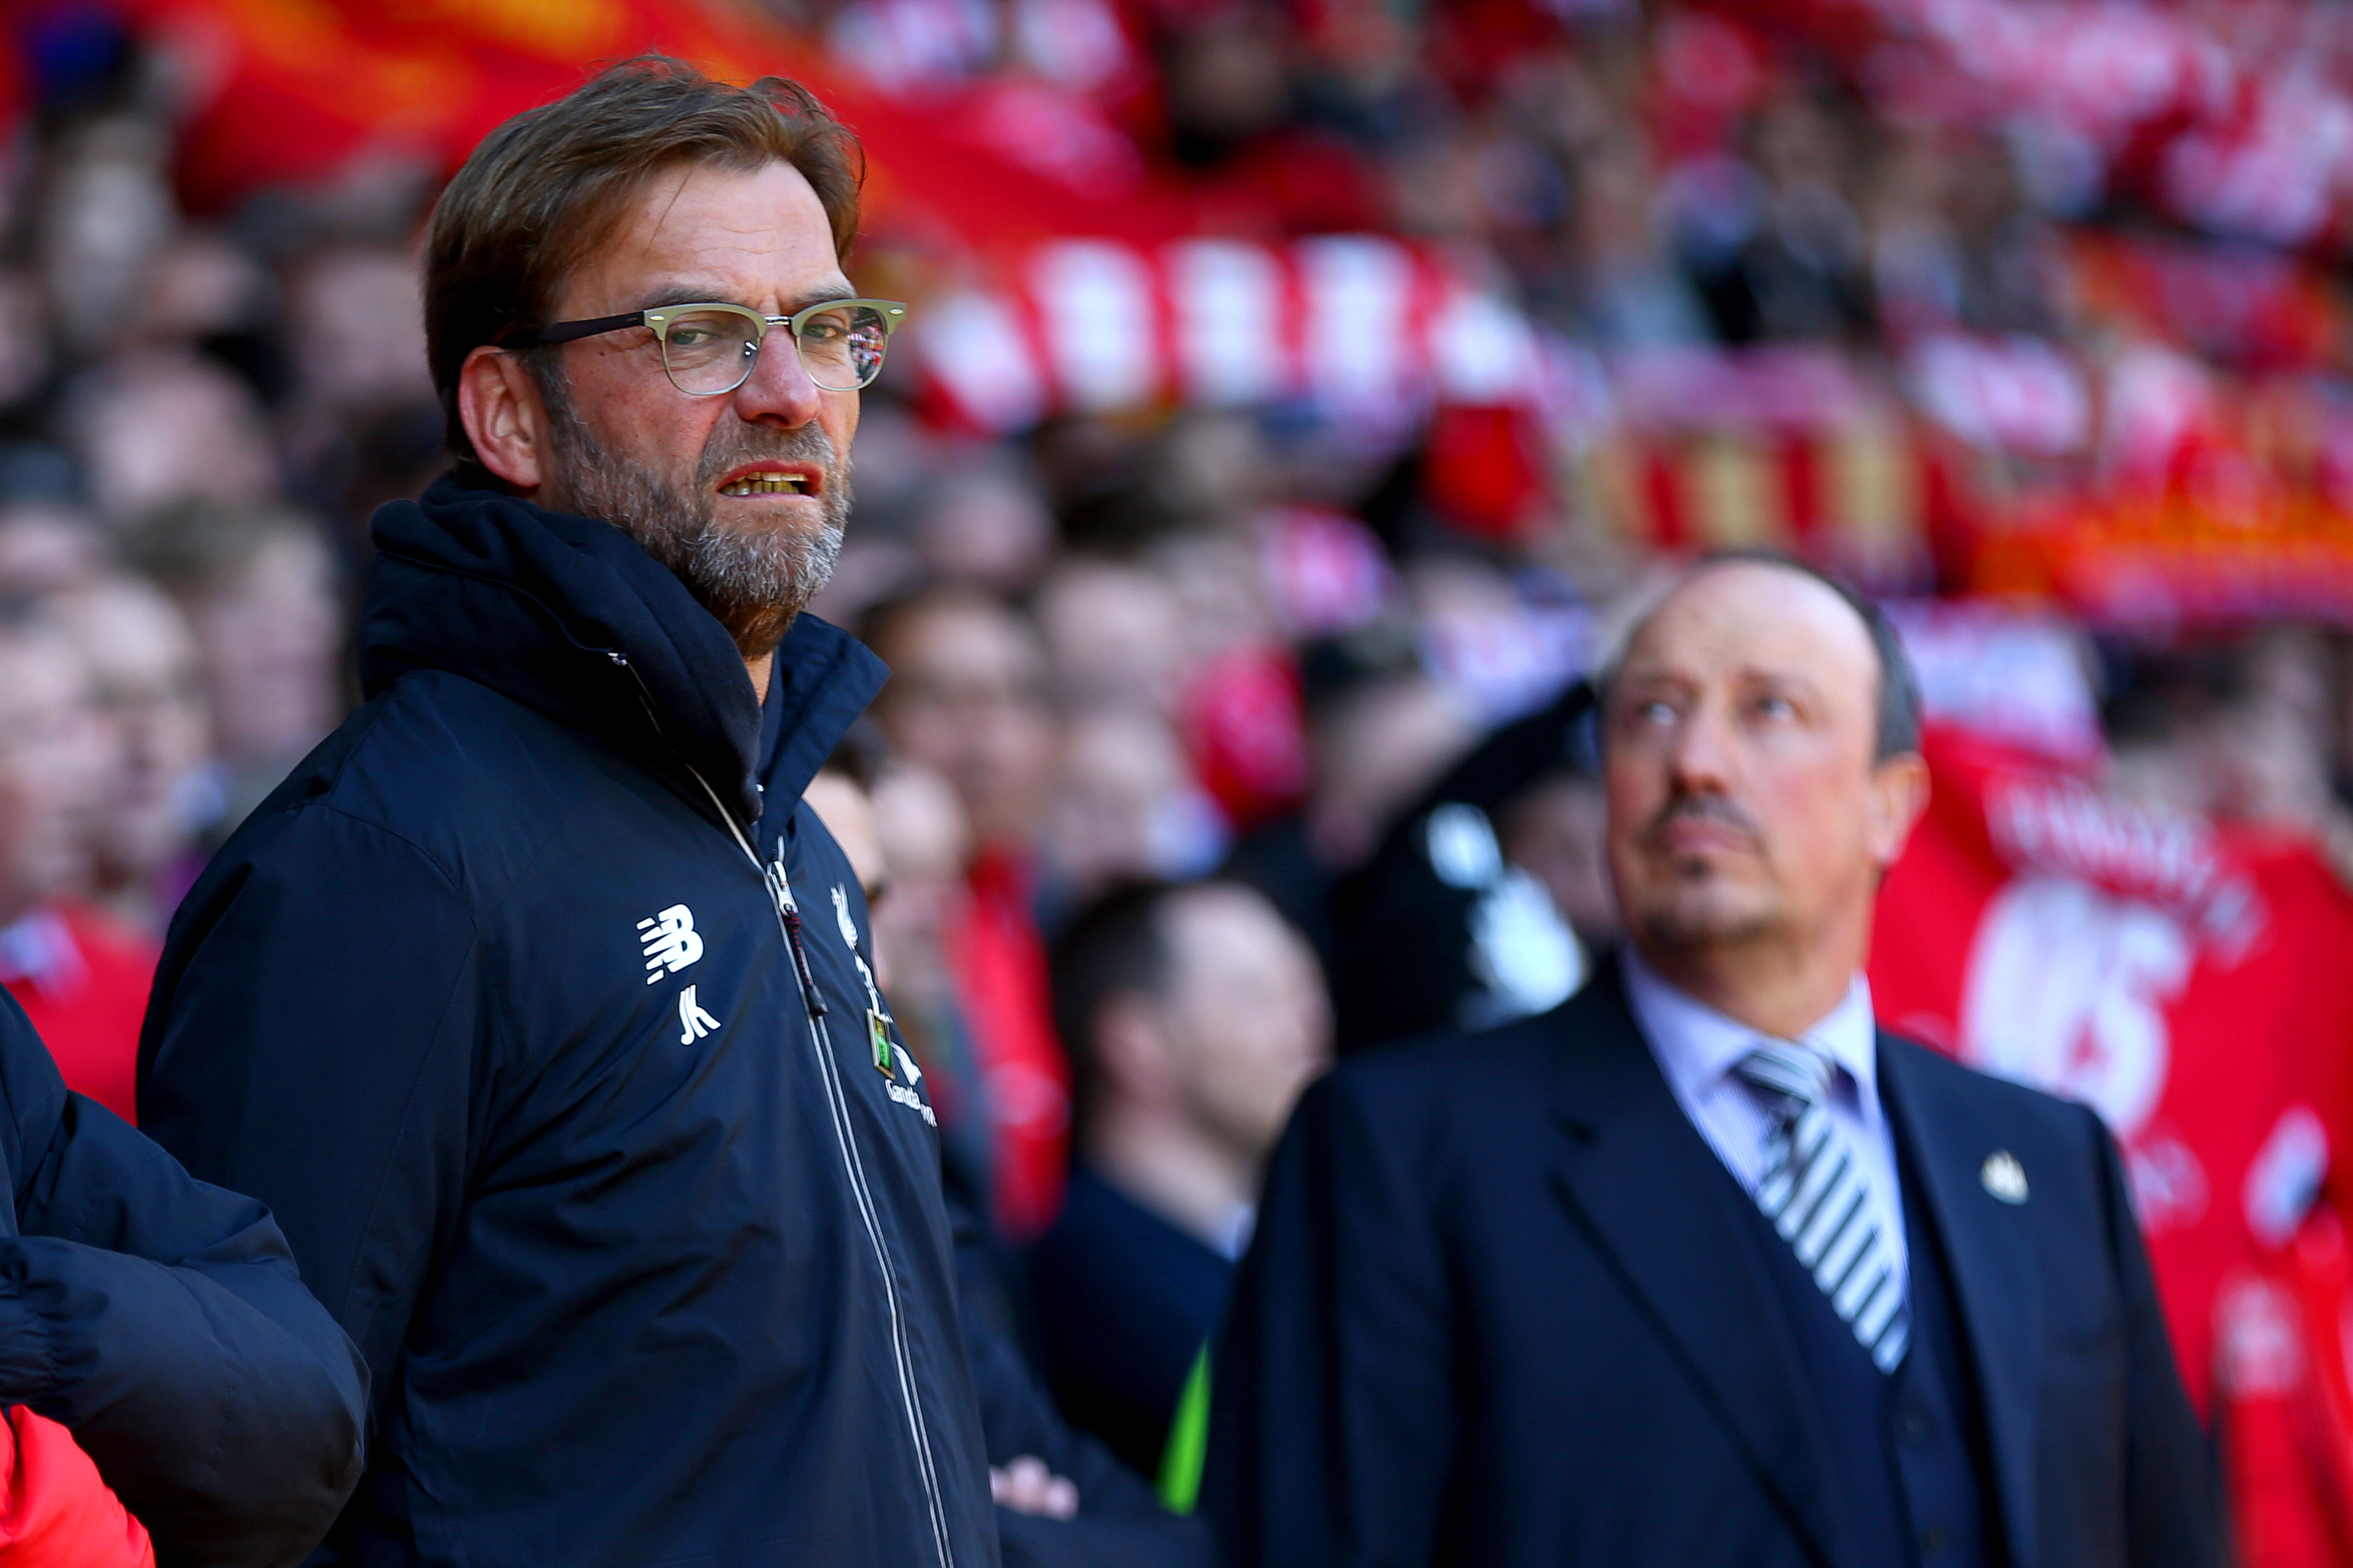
x=1125, y=1302
x=560, y=1062
x=163, y=1322
x=1497, y=1315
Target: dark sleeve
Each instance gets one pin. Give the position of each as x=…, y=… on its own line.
x=1121, y=1523
x=2173, y=1508
x=163, y=1322
x=311, y=1040
x=1332, y=1424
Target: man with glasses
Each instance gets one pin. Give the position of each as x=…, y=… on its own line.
x=535, y=1001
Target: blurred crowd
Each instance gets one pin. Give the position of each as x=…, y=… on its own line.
x=1163, y=681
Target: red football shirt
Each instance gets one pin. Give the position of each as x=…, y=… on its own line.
x=82, y=978
x=55, y=1512
x=1000, y=967
x=2185, y=979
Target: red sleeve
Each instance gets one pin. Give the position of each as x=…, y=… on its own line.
x=55, y=1512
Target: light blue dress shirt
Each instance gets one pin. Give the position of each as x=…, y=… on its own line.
x=1697, y=1047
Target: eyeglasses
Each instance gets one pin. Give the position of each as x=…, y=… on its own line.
x=710, y=348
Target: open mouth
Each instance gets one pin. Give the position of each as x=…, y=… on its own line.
x=766, y=484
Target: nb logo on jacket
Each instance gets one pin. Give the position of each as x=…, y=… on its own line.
x=694, y=1022
x=671, y=941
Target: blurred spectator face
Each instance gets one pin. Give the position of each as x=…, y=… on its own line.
x=2270, y=748
x=359, y=341
x=1436, y=191
x=1239, y=1028
x=2245, y=733
x=268, y=636
x=2288, y=727
x=23, y=335
x=1743, y=804
x=1113, y=635
x=1557, y=833
x=1982, y=190
x=1614, y=226
x=920, y=831
x=1798, y=146
x=967, y=699
x=2175, y=771
x=987, y=525
x=847, y=814
x=1211, y=469
x=919, y=824
x=141, y=660
x=106, y=213
x=1226, y=81
x=50, y=757
x=1374, y=751
x=46, y=549
x=199, y=285
x=1219, y=585
x=745, y=496
x=1121, y=783
x=163, y=428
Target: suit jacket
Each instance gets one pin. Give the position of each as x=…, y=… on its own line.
x=1500, y=1312
x=1124, y=1302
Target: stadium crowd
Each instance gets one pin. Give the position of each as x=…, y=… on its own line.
x=1222, y=740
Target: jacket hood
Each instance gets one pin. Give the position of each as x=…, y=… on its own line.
x=571, y=617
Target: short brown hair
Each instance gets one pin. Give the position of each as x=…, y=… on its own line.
x=547, y=187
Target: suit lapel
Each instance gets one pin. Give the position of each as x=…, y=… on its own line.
x=1993, y=1273
x=1639, y=1179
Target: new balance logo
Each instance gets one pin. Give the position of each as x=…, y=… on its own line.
x=671, y=941
x=694, y=1023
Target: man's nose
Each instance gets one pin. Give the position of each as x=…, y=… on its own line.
x=1699, y=757
x=778, y=391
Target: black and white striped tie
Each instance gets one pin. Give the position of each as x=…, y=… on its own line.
x=1817, y=1192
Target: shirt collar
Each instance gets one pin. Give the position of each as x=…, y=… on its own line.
x=1233, y=1234
x=1698, y=1047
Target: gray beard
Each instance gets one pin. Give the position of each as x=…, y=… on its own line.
x=754, y=581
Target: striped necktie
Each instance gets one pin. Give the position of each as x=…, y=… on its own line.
x=1816, y=1191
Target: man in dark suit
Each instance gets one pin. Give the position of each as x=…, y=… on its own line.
x=1700, y=1268
x=1194, y=1016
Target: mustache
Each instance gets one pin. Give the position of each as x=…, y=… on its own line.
x=1716, y=808
x=735, y=442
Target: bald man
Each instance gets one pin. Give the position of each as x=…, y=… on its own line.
x=1702, y=1267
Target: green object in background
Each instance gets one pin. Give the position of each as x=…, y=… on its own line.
x=1189, y=1439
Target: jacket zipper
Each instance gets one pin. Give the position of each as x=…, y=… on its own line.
x=780, y=892
x=788, y=925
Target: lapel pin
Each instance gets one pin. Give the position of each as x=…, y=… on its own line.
x=2004, y=1177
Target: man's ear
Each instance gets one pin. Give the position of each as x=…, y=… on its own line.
x=498, y=402
x=1131, y=1050
x=1899, y=795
